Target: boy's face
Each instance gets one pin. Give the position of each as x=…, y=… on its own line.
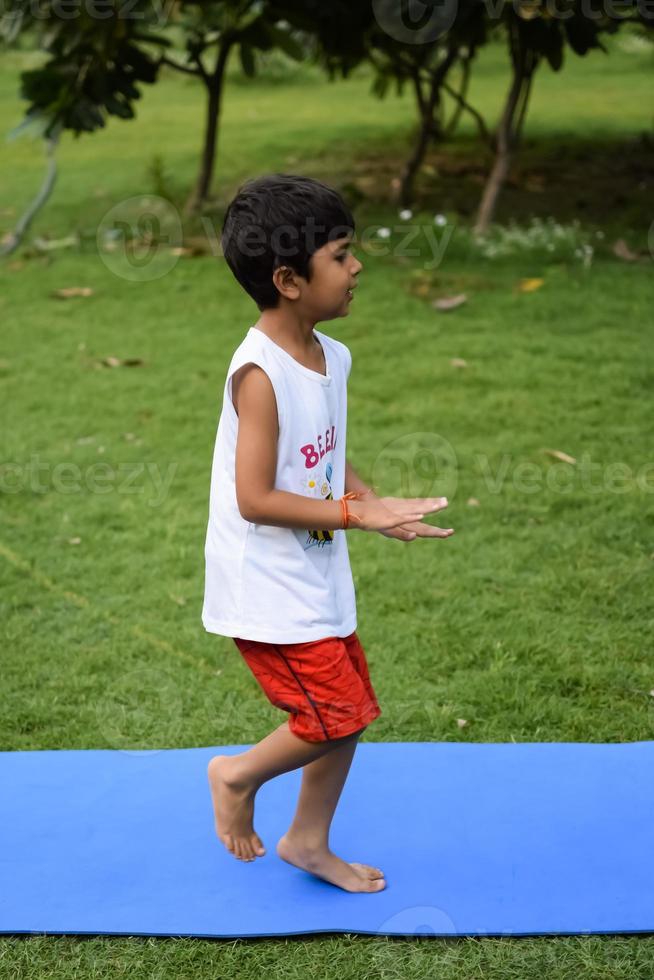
x=333, y=277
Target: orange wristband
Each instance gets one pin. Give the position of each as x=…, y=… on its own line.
x=352, y=495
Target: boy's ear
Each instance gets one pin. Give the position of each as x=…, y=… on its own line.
x=286, y=281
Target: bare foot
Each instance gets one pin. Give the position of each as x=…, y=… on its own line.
x=233, y=807
x=352, y=877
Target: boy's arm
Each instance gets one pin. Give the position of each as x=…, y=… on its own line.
x=260, y=502
x=256, y=462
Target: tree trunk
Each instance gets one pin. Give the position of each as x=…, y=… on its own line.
x=427, y=128
x=413, y=164
x=214, y=85
x=15, y=238
x=508, y=134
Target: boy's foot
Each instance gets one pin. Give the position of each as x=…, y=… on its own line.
x=233, y=807
x=352, y=877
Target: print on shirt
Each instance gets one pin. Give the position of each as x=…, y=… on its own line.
x=321, y=538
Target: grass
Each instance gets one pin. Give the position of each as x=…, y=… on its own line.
x=533, y=623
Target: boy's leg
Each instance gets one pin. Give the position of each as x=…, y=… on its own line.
x=306, y=843
x=322, y=784
x=235, y=779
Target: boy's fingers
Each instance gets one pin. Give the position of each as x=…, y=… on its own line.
x=432, y=503
x=407, y=519
x=422, y=504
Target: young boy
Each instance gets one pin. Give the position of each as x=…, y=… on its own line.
x=278, y=578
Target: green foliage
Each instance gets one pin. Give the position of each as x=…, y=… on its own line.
x=96, y=65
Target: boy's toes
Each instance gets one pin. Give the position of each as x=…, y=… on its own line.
x=367, y=870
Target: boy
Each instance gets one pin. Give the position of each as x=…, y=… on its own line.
x=278, y=578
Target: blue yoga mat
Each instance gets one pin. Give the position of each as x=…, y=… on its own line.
x=475, y=839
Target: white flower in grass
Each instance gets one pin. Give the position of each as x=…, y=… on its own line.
x=406, y=214
x=383, y=232
x=440, y=220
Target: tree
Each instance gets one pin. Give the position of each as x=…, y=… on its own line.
x=212, y=31
x=533, y=35
x=97, y=64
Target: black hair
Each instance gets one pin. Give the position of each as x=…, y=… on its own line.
x=280, y=219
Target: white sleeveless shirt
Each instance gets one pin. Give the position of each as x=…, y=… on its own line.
x=277, y=584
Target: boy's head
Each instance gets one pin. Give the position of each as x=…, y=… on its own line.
x=286, y=239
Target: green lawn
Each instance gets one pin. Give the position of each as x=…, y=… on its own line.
x=533, y=622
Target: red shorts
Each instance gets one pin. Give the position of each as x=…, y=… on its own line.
x=324, y=684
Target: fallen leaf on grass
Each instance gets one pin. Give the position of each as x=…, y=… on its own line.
x=51, y=244
x=557, y=454
x=74, y=540
x=530, y=285
x=446, y=303
x=461, y=722
x=458, y=362
x=622, y=251
x=71, y=291
x=192, y=246
x=472, y=502
x=114, y=362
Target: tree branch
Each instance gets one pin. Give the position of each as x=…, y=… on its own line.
x=163, y=60
x=483, y=129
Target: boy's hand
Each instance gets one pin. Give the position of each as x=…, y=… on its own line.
x=386, y=513
x=416, y=529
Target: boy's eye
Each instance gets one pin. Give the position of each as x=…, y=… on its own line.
x=341, y=256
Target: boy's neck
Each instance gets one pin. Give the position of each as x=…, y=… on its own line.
x=288, y=330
